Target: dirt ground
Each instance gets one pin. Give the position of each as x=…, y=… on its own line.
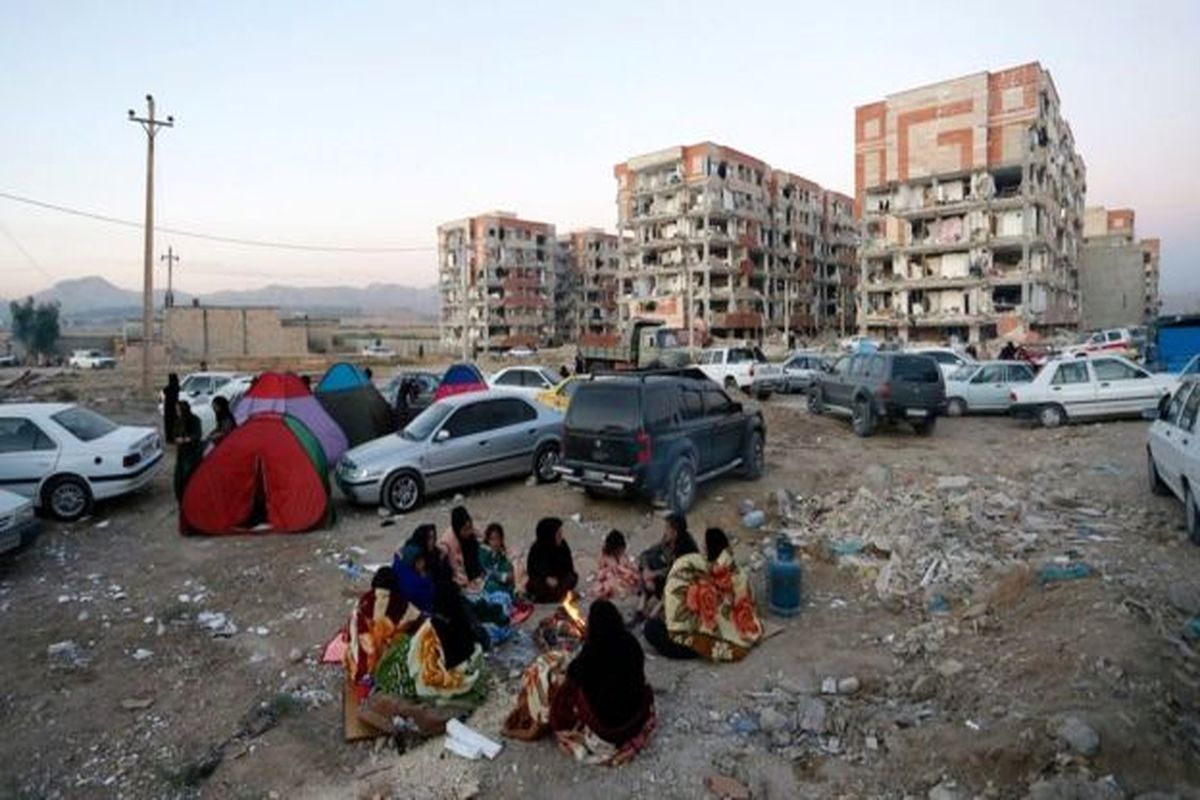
x=961, y=692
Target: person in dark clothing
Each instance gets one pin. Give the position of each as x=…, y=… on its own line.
x=171, y=408
x=973, y=352
x=715, y=543
x=606, y=685
x=414, y=564
x=450, y=619
x=225, y=421
x=1008, y=352
x=190, y=447
x=549, y=566
x=564, y=372
x=655, y=562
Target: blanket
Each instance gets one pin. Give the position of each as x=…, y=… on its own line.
x=709, y=607
x=415, y=667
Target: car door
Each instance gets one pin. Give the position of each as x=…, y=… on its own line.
x=837, y=385
x=514, y=430
x=695, y=424
x=989, y=388
x=460, y=448
x=1165, y=438
x=510, y=379
x=1072, y=387
x=1182, y=442
x=27, y=454
x=725, y=426
x=1120, y=387
x=1016, y=375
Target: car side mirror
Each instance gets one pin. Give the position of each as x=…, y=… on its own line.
x=441, y=435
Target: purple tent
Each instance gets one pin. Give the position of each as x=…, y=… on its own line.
x=284, y=393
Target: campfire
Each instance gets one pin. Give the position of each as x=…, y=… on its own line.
x=570, y=606
x=562, y=630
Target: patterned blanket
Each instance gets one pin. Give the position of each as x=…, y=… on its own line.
x=710, y=608
x=415, y=667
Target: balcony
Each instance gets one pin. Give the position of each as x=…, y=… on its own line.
x=737, y=319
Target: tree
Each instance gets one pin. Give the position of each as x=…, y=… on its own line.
x=35, y=326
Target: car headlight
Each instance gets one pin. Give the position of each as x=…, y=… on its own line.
x=354, y=473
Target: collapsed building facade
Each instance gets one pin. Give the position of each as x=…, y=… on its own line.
x=588, y=283
x=971, y=199
x=719, y=242
x=1118, y=273
x=496, y=276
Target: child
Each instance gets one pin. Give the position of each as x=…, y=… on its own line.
x=493, y=557
x=616, y=575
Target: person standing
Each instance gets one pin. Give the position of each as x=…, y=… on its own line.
x=170, y=408
x=225, y=422
x=190, y=450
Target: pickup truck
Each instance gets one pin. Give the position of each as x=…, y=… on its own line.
x=644, y=344
x=91, y=359
x=744, y=368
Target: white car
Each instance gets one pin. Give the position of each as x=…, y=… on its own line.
x=1069, y=389
x=528, y=381
x=65, y=456
x=985, y=386
x=199, y=389
x=18, y=525
x=521, y=352
x=744, y=368
x=91, y=359
x=1173, y=452
x=801, y=370
x=948, y=361
x=9, y=361
x=378, y=351
x=1114, y=341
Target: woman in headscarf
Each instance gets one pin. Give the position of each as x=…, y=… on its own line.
x=599, y=706
x=655, y=562
x=413, y=566
x=225, y=423
x=379, y=616
x=549, y=565
x=170, y=395
x=459, y=548
x=190, y=449
x=709, y=606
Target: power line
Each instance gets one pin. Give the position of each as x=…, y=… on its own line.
x=312, y=248
x=28, y=257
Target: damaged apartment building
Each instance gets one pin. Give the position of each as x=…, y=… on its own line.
x=496, y=276
x=971, y=199
x=1118, y=273
x=719, y=242
x=587, y=284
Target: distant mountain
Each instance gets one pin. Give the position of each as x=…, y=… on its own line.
x=95, y=298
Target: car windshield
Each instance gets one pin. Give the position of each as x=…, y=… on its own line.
x=612, y=407
x=550, y=377
x=84, y=424
x=423, y=426
x=915, y=369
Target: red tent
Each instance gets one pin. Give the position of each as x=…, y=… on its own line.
x=270, y=471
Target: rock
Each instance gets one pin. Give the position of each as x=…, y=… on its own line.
x=878, y=477
x=142, y=654
x=1076, y=734
x=848, y=685
x=726, y=788
x=745, y=506
x=754, y=519
x=946, y=790
x=923, y=688
x=137, y=703
x=1185, y=596
x=829, y=686
x=812, y=715
x=781, y=739
x=295, y=655
x=950, y=667
x=67, y=654
x=1075, y=789
x=871, y=743
x=771, y=720
x=953, y=483
x=467, y=791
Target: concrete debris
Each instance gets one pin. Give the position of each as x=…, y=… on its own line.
x=1184, y=596
x=946, y=790
x=1076, y=734
x=953, y=483
x=67, y=654
x=137, y=703
x=216, y=623
x=848, y=685
x=950, y=668
x=1063, y=788
x=829, y=686
x=812, y=715
x=142, y=654
x=726, y=788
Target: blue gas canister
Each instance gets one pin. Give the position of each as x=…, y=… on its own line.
x=783, y=579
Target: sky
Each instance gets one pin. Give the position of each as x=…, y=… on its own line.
x=367, y=124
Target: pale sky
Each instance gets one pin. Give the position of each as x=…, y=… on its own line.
x=366, y=124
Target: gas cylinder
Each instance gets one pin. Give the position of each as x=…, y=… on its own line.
x=783, y=579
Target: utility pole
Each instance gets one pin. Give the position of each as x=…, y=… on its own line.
x=150, y=124
x=171, y=259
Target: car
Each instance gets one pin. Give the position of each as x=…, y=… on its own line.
x=521, y=351
x=885, y=386
x=559, y=398
x=801, y=369
x=377, y=351
x=9, y=361
x=1111, y=341
x=744, y=368
x=858, y=344
x=984, y=386
x=457, y=442
x=199, y=389
x=658, y=435
x=1090, y=387
x=65, y=456
x=949, y=361
x=529, y=381
x=423, y=385
x=18, y=523
x=91, y=359
x=1173, y=452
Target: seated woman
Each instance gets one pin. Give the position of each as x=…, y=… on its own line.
x=413, y=567
x=655, y=562
x=549, y=566
x=382, y=614
x=599, y=706
x=709, y=608
x=460, y=551
x=616, y=575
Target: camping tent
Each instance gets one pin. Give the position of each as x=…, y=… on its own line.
x=460, y=379
x=285, y=393
x=355, y=404
x=270, y=471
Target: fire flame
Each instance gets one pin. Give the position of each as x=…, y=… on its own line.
x=570, y=605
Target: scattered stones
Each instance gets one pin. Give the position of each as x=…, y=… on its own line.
x=1076, y=734
x=946, y=790
x=726, y=788
x=1075, y=789
x=829, y=686
x=812, y=715
x=216, y=623
x=923, y=688
x=950, y=667
x=848, y=685
x=295, y=655
x=1185, y=597
x=142, y=654
x=771, y=720
x=953, y=483
x=67, y=654
x=137, y=703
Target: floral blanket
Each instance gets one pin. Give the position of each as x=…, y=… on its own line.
x=710, y=608
x=615, y=578
x=377, y=619
x=415, y=667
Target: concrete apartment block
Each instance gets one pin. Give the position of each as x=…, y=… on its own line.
x=593, y=267
x=971, y=200
x=1118, y=273
x=496, y=277
x=719, y=241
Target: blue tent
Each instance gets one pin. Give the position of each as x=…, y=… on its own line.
x=460, y=378
x=348, y=395
x=343, y=376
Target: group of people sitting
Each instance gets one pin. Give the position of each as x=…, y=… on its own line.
x=421, y=631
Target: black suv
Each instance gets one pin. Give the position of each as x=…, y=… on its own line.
x=876, y=387
x=658, y=434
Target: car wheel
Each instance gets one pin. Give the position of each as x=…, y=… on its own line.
x=402, y=492
x=68, y=498
x=861, y=418
x=763, y=395
x=730, y=384
x=1192, y=515
x=544, y=463
x=816, y=403
x=754, y=458
x=681, y=488
x=925, y=427
x=1156, y=482
x=956, y=407
x=1051, y=416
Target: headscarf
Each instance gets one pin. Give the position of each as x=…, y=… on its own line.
x=459, y=518
x=547, y=557
x=450, y=620
x=715, y=543
x=610, y=667
x=418, y=589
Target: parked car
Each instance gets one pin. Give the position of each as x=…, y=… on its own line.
x=800, y=371
x=858, y=344
x=66, y=456
x=18, y=524
x=1173, y=452
x=559, y=398
x=744, y=368
x=1073, y=388
x=423, y=384
x=91, y=359
x=9, y=361
x=949, y=361
x=985, y=386
x=878, y=387
x=377, y=351
x=457, y=442
x=521, y=352
x=199, y=389
x=1112, y=341
x=529, y=381
x=658, y=435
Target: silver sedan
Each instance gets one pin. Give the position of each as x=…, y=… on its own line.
x=461, y=441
